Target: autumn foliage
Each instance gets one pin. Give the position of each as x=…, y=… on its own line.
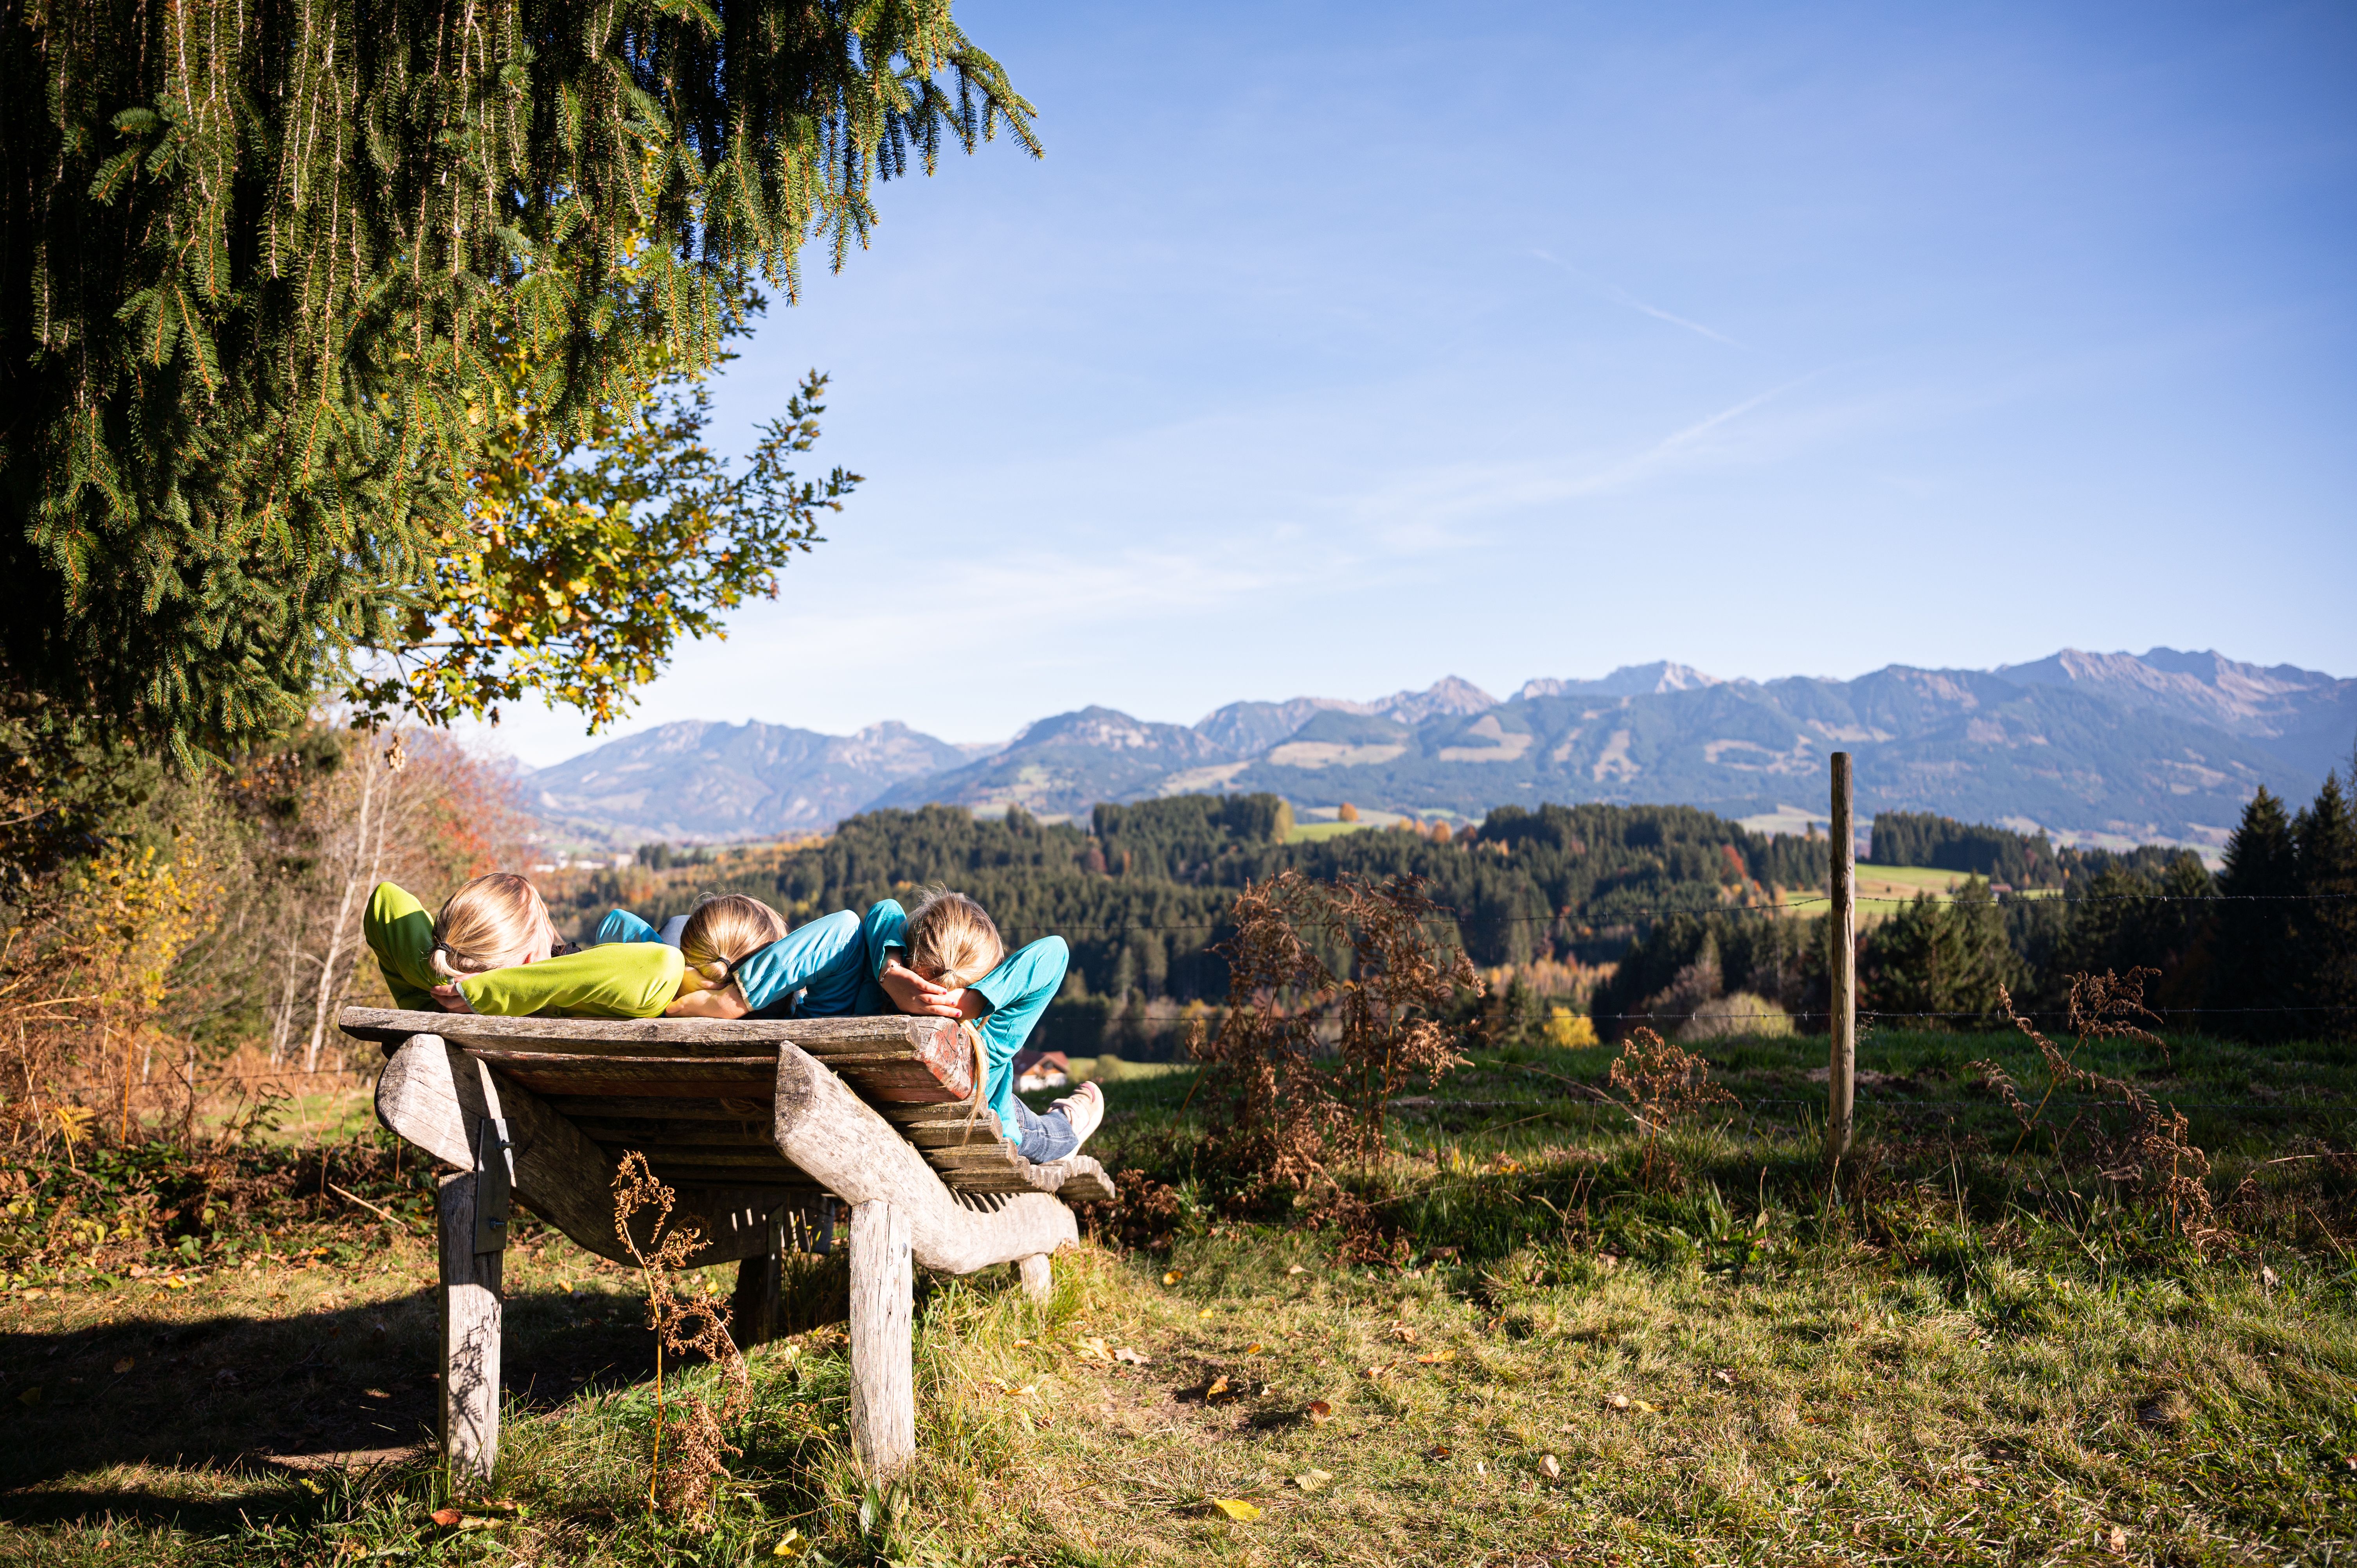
x=1334, y=998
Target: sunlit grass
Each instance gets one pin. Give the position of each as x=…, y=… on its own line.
x=1951, y=1357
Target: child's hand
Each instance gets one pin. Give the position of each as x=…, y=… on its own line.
x=912, y=993
x=450, y=999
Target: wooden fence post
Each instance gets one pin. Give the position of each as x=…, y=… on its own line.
x=1841, y=936
x=470, y=1407
x=883, y=1366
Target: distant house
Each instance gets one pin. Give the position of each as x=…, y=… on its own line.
x=1041, y=1070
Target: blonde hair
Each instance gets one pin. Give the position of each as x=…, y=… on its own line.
x=490, y=923
x=726, y=928
x=952, y=939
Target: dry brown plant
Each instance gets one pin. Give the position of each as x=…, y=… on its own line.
x=2153, y=1155
x=1332, y=993
x=681, y=1323
x=1661, y=1085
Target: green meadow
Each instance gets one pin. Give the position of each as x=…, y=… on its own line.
x=1536, y=1336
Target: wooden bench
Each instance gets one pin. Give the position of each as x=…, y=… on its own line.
x=767, y=1130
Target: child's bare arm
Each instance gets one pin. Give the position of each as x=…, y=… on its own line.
x=720, y=1001
x=912, y=993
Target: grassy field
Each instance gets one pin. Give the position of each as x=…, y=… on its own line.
x=1316, y=833
x=1533, y=1346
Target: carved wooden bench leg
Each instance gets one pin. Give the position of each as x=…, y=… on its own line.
x=1038, y=1277
x=883, y=1369
x=469, y=1409
x=753, y=1315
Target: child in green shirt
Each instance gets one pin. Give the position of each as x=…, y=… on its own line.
x=493, y=949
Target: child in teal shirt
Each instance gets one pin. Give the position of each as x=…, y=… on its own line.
x=945, y=960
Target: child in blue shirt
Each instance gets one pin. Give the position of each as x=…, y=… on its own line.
x=944, y=959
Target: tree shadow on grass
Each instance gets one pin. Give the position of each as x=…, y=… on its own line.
x=218, y=1405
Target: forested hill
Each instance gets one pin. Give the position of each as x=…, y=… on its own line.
x=1142, y=890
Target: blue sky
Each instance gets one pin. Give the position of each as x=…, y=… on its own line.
x=1334, y=349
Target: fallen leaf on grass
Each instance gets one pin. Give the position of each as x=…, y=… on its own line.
x=1254, y=1349
x=1130, y=1356
x=1379, y=1371
x=1548, y=1468
x=2114, y=1540
x=1021, y=1343
x=1434, y=1357
x=1402, y=1333
x=1649, y=1409
x=1320, y=1413
x=1205, y=1312
x=1174, y=1276
x=793, y=1544
x=1095, y=1349
x=1438, y=1452
x=1296, y=1269
x=1219, y=1387
x=446, y=1517
x=313, y=1486
x=30, y=1396
x=1617, y=1401
x=1236, y=1508
x=124, y=1365
x=1311, y=1480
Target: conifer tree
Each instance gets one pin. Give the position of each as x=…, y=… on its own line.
x=2254, y=968
x=253, y=260
x=2324, y=926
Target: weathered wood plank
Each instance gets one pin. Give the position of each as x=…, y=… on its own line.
x=883, y=1371
x=846, y=1145
x=435, y=1095
x=1076, y=1180
x=608, y=1130
x=392, y=1026
x=468, y=1409
x=751, y=1160
x=740, y=1109
x=929, y=1054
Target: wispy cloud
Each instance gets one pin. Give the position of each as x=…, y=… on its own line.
x=1622, y=297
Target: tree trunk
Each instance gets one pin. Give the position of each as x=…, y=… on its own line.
x=343, y=916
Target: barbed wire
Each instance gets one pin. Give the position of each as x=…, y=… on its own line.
x=1606, y=919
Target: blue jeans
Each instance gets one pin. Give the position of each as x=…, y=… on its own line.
x=1045, y=1139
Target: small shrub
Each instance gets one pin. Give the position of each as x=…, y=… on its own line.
x=681, y=1325
x=2153, y=1156
x=1311, y=1052
x=1568, y=1030
x=1735, y=1014
x=1661, y=1085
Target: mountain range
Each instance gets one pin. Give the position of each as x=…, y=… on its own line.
x=2092, y=748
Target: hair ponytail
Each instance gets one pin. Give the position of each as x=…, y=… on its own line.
x=490, y=923
x=726, y=930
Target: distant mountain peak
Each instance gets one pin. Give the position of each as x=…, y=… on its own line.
x=2207, y=687
x=1449, y=695
x=2166, y=744
x=1628, y=681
